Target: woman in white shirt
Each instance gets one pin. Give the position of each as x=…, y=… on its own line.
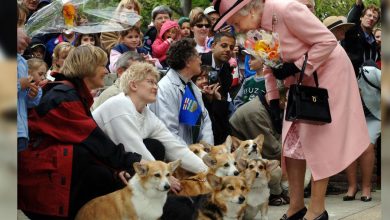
x=126, y=119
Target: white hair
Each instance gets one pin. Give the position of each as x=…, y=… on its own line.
x=244, y=11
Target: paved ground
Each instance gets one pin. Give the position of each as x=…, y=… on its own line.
x=337, y=209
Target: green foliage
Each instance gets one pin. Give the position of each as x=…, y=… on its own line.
x=325, y=8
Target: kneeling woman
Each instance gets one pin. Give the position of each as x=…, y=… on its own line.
x=126, y=119
x=69, y=160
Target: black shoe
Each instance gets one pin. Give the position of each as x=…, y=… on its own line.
x=349, y=198
x=323, y=216
x=366, y=198
x=297, y=216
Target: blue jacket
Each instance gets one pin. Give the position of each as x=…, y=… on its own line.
x=24, y=101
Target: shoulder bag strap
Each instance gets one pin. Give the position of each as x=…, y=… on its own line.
x=303, y=72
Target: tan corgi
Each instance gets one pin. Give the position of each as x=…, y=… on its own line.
x=257, y=199
x=200, y=150
x=221, y=164
x=248, y=149
x=143, y=198
x=227, y=200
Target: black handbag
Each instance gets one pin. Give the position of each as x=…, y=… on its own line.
x=308, y=104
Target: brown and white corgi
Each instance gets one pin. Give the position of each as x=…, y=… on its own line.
x=143, y=198
x=199, y=149
x=220, y=164
x=227, y=200
x=257, y=199
x=248, y=149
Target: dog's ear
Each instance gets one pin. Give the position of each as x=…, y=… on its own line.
x=235, y=142
x=259, y=140
x=209, y=161
x=173, y=165
x=214, y=181
x=207, y=146
x=242, y=164
x=271, y=164
x=228, y=144
x=140, y=169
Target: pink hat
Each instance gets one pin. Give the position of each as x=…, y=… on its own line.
x=226, y=8
x=166, y=26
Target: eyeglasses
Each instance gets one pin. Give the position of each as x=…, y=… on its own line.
x=151, y=82
x=202, y=25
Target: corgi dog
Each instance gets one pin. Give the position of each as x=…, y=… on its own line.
x=199, y=149
x=227, y=200
x=222, y=164
x=142, y=198
x=249, y=149
x=257, y=199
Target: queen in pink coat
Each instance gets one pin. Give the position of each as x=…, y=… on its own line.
x=327, y=149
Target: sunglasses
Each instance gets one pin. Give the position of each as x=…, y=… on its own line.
x=202, y=25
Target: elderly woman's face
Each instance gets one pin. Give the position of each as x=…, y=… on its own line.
x=243, y=24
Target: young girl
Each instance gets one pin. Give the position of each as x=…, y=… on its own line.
x=37, y=70
x=92, y=39
x=60, y=52
x=168, y=34
x=129, y=41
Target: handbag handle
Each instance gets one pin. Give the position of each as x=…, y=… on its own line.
x=303, y=72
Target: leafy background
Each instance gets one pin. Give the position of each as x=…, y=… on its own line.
x=324, y=8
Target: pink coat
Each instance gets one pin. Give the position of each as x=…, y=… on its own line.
x=328, y=148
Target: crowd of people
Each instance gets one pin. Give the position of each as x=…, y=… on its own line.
x=91, y=105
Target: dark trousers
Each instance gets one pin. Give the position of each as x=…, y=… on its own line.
x=91, y=179
x=156, y=148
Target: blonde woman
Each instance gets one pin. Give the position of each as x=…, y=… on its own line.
x=126, y=119
x=69, y=159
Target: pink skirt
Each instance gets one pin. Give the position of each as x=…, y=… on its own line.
x=292, y=146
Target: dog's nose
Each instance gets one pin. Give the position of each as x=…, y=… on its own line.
x=257, y=174
x=241, y=199
x=236, y=173
x=167, y=187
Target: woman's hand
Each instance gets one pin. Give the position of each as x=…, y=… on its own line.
x=211, y=92
x=124, y=176
x=175, y=184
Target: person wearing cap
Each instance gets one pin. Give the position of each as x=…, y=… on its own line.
x=36, y=49
x=212, y=14
x=185, y=27
x=338, y=25
x=160, y=14
x=326, y=149
x=359, y=42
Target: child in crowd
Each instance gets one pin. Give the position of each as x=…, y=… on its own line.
x=129, y=41
x=92, y=39
x=185, y=27
x=60, y=52
x=169, y=33
x=252, y=85
x=36, y=49
x=217, y=108
x=29, y=93
x=37, y=69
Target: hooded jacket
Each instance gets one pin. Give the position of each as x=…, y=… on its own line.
x=161, y=46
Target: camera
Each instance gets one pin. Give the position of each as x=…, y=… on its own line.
x=213, y=77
